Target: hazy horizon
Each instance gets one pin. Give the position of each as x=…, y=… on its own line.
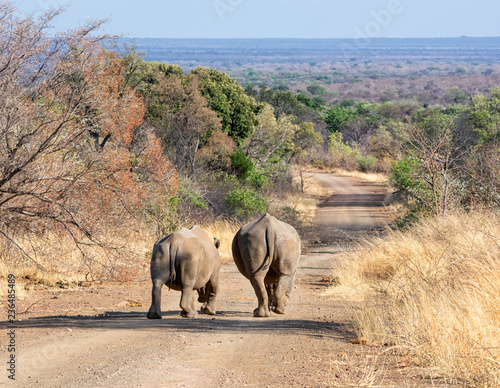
x=280, y=19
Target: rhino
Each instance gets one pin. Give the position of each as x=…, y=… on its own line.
x=266, y=251
x=186, y=260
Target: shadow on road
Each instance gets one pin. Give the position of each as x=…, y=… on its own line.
x=223, y=321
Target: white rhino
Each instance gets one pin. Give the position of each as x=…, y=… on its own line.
x=267, y=252
x=186, y=260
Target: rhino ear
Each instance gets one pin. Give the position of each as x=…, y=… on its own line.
x=216, y=242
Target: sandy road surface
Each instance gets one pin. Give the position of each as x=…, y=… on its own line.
x=355, y=205
x=95, y=337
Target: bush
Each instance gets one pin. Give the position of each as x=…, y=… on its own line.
x=365, y=163
x=242, y=164
x=245, y=202
x=258, y=180
x=341, y=154
x=316, y=90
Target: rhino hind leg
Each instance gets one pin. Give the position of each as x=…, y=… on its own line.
x=187, y=303
x=211, y=293
x=155, y=309
x=282, y=293
x=260, y=291
x=271, y=294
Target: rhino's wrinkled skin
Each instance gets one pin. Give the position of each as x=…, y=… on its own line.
x=267, y=252
x=186, y=260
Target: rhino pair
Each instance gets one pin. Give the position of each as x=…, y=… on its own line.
x=266, y=252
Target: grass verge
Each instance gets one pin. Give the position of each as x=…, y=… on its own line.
x=433, y=293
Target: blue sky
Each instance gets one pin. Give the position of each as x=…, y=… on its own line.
x=280, y=18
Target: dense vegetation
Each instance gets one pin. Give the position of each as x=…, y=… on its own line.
x=98, y=144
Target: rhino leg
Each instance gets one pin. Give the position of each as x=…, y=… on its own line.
x=211, y=294
x=261, y=292
x=282, y=293
x=187, y=303
x=155, y=309
x=271, y=293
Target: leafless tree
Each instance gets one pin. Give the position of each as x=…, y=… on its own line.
x=62, y=100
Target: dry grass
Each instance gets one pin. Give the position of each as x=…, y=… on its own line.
x=224, y=230
x=52, y=259
x=434, y=293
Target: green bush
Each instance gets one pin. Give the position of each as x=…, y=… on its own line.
x=342, y=154
x=242, y=165
x=258, y=180
x=366, y=163
x=245, y=202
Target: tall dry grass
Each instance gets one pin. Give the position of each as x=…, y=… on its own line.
x=224, y=230
x=54, y=258
x=434, y=293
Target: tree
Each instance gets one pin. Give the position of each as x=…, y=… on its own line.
x=337, y=116
x=483, y=115
x=305, y=141
x=177, y=107
x=356, y=128
x=60, y=96
x=285, y=102
x=237, y=111
x=216, y=154
x=434, y=154
x=480, y=128
x=271, y=137
x=316, y=90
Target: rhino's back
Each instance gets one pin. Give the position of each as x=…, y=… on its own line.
x=259, y=227
x=255, y=237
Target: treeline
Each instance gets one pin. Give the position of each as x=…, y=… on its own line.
x=101, y=149
x=438, y=157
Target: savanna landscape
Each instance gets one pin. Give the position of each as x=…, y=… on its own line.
x=385, y=158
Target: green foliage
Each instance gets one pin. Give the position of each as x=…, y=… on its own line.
x=258, y=180
x=316, y=90
x=191, y=196
x=407, y=178
x=309, y=102
x=284, y=102
x=164, y=68
x=337, y=116
x=342, y=154
x=365, y=162
x=242, y=165
x=244, y=201
x=456, y=94
x=226, y=97
x=484, y=116
x=348, y=102
x=403, y=176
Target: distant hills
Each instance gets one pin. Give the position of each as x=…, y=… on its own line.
x=228, y=53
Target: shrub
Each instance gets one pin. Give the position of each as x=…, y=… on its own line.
x=365, y=162
x=242, y=164
x=245, y=202
x=341, y=154
x=258, y=180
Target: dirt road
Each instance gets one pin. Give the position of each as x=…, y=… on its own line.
x=98, y=336
x=356, y=204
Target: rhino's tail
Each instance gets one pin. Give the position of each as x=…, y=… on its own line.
x=172, y=255
x=270, y=241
